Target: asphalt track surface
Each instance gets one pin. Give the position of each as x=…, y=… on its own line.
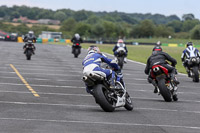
x=46, y=95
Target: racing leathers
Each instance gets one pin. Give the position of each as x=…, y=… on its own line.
x=92, y=63
x=159, y=58
x=117, y=46
x=75, y=40
x=27, y=38
x=188, y=53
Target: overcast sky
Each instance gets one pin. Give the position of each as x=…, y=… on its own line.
x=165, y=7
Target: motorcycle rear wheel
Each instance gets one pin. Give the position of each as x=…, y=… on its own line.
x=28, y=55
x=101, y=94
x=196, y=74
x=164, y=91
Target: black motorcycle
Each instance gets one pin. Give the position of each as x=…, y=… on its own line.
x=193, y=65
x=107, y=98
x=29, y=50
x=121, y=54
x=76, y=49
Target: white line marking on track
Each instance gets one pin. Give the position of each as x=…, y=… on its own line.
x=95, y=106
x=41, y=79
x=102, y=123
x=53, y=86
x=72, y=75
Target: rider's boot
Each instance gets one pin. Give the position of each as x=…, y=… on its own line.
x=188, y=71
x=125, y=60
x=112, y=81
x=174, y=79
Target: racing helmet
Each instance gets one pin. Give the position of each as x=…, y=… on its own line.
x=77, y=36
x=93, y=49
x=157, y=48
x=31, y=32
x=189, y=44
x=120, y=41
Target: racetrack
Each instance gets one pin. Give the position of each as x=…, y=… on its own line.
x=46, y=95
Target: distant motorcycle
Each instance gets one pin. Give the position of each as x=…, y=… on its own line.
x=107, y=98
x=121, y=54
x=193, y=65
x=76, y=49
x=29, y=50
x=165, y=86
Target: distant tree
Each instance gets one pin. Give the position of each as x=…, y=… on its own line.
x=163, y=31
x=68, y=25
x=146, y=28
x=110, y=29
x=129, y=19
x=83, y=29
x=176, y=25
x=93, y=20
x=195, y=32
x=15, y=15
x=188, y=17
x=189, y=24
x=80, y=15
x=60, y=15
x=2, y=13
x=98, y=31
x=135, y=32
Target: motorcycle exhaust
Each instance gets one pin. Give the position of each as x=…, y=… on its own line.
x=156, y=69
x=95, y=76
x=88, y=81
x=84, y=78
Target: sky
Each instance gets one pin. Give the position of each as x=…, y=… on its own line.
x=165, y=7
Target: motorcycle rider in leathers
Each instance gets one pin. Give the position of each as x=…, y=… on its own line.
x=120, y=43
x=28, y=38
x=189, y=52
x=159, y=58
x=92, y=63
x=76, y=39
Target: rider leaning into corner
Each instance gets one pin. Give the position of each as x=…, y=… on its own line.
x=159, y=57
x=189, y=52
x=27, y=38
x=120, y=43
x=92, y=63
x=76, y=39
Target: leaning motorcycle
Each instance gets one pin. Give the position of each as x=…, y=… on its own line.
x=107, y=98
x=29, y=50
x=162, y=81
x=76, y=49
x=193, y=65
x=121, y=54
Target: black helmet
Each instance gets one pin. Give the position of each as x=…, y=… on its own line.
x=189, y=44
x=157, y=48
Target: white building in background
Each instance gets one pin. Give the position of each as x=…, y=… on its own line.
x=48, y=21
x=51, y=35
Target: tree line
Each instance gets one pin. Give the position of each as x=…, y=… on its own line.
x=104, y=25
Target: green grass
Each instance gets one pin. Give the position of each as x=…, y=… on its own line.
x=165, y=40
x=141, y=53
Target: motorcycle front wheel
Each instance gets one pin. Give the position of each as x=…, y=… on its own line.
x=128, y=105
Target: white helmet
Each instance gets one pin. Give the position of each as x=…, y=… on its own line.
x=93, y=49
x=77, y=36
x=30, y=32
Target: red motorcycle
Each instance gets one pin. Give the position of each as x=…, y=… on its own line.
x=162, y=81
